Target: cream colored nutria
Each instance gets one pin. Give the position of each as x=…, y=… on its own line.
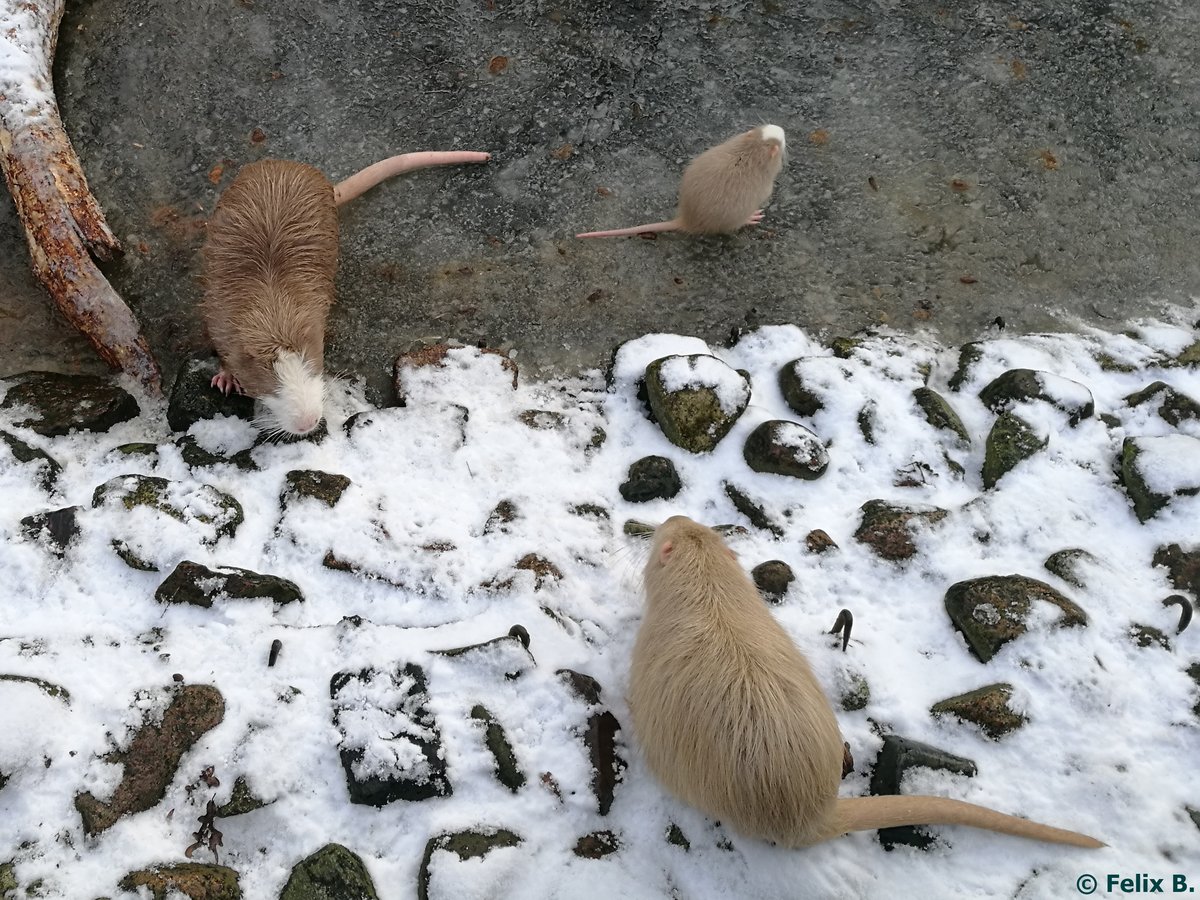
x=731, y=719
x=724, y=187
x=269, y=261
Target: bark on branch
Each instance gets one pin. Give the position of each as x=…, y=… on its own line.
x=64, y=225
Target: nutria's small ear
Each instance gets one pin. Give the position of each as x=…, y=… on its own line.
x=664, y=552
x=773, y=150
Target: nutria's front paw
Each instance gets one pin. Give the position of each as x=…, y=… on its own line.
x=224, y=382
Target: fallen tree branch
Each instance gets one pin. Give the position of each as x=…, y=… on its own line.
x=64, y=225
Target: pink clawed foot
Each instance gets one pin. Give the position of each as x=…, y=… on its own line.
x=224, y=382
x=755, y=219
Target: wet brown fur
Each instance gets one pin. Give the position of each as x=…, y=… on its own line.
x=731, y=719
x=269, y=262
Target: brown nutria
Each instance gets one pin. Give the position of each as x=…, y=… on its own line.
x=269, y=260
x=731, y=719
x=724, y=187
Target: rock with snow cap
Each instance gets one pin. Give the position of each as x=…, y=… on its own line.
x=695, y=399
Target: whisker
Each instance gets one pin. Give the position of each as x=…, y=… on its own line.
x=627, y=563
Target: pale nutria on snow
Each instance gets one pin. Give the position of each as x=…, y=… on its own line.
x=724, y=187
x=731, y=719
x=269, y=260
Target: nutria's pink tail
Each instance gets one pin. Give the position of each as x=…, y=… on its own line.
x=361, y=182
x=672, y=225
x=865, y=813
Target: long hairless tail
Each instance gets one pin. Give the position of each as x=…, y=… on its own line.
x=865, y=813
x=361, y=182
x=672, y=225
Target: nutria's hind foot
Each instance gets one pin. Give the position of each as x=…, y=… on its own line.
x=224, y=382
x=755, y=218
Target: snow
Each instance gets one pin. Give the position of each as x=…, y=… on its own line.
x=1065, y=393
x=26, y=94
x=1169, y=464
x=1107, y=750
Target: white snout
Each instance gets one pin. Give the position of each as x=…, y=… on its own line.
x=774, y=133
x=298, y=404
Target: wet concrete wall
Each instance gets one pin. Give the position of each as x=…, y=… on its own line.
x=948, y=163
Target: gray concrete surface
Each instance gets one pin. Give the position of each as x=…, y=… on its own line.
x=949, y=163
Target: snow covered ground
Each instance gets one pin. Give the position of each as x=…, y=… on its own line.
x=1110, y=747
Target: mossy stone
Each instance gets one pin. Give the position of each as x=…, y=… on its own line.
x=773, y=578
x=127, y=555
x=597, y=845
x=49, y=688
x=651, y=478
x=993, y=610
x=590, y=511
x=940, y=414
x=325, y=487
x=1018, y=385
x=751, y=510
x=193, y=398
x=64, y=403
x=48, y=467
x=1183, y=453
x=508, y=772
x=1065, y=564
x=779, y=447
x=854, y=692
x=194, y=456
x=463, y=844
x=866, y=422
x=1146, y=503
x=676, y=837
x=542, y=419
x=800, y=399
x=1190, y=355
x=332, y=873
x=198, y=585
x=691, y=417
x=242, y=800
x=1193, y=672
x=503, y=514
x=58, y=527
x=137, y=448
x=886, y=527
x=153, y=756
x=1109, y=363
x=1183, y=567
x=1148, y=636
x=1010, y=441
x=818, y=541
x=585, y=687
x=148, y=490
x=637, y=529
x=968, y=357
x=1173, y=407
x=608, y=765
x=844, y=347
x=988, y=707
x=199, y=881
x=420, y=769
